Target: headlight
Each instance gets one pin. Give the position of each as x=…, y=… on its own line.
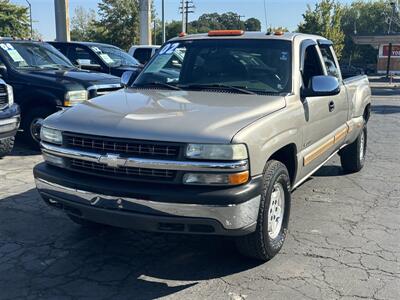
x=74, y=97
x=51, y=135
x=216, y=152
x=216, y=179
x=10, y=94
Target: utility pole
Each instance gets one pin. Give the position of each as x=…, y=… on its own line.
x=188, y=10
x=183, y=15
x=30, y=17
x=145, y=22
x=240, y=21
x=391, y=19
x=62, y=20
x=163, y=21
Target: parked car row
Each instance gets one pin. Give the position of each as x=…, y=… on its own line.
x=47, y=77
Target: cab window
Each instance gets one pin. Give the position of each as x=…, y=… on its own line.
x=311, y=65
x=329, y=61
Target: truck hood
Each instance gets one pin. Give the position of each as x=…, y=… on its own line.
x=71, y=77
x=177, y=116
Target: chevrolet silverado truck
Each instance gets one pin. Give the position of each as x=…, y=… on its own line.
x=9, y=118
x=213, y=144
x=45, y=81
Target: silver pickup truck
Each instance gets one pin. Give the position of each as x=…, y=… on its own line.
x=210, y=138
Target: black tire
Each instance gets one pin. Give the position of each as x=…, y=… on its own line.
x=6, y=146
x=351, y=157
x=259, y=244
x=86, y=223
x=29, y=121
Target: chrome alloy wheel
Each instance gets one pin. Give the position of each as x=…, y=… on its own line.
x=362, y=145
x=276, y=211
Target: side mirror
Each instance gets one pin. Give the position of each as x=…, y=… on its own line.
x=128, y=77
x=321, y=86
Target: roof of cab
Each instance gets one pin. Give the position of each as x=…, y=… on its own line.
x=250, y=35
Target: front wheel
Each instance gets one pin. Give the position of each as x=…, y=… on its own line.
x=273, y=217
x=352, y=157
x=31, y=124
x=6, y=146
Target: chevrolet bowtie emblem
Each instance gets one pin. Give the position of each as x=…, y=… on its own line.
x=112, y=160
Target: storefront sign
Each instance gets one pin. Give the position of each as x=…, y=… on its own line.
x=395, y=50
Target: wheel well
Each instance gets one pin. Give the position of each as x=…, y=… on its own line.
x=287, y=156
x=367, y=112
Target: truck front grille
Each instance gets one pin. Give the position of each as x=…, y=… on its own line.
x=3, y=95
x=100, y=90
x=124, y=147
x=125, y=173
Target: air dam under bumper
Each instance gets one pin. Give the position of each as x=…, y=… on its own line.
x=230, y=220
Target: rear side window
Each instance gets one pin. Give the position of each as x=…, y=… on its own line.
x=312, y=65
x=142, y=55
x=329, y=61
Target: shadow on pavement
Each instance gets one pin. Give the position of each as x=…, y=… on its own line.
x=21, y=148
x=329, y=171
x=57, y=257
x=385, y=91
x=385, y=109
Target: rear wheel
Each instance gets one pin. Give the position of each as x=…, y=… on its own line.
x=6, y=146
x=31, y=124
x=273, y=218
x=352, y=157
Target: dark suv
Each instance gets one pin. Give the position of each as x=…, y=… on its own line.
x=44, y=81
x=9, y=118
x=98, y=57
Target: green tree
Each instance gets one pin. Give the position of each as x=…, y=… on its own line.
x=252, y=24
x=325, y=20
x=14, y=20
x=279, y=28
x=364, y=18
x=83, y=24
x=118, y=24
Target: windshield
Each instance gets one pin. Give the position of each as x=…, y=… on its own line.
x=114, y=57
x=26, y=55
x=258, y=66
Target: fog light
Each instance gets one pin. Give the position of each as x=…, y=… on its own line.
x=53, y=160
x=215, y=179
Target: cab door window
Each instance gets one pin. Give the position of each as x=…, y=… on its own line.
x=311, y=65
x=329, y=60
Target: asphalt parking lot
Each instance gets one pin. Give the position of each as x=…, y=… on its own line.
x=344, y=240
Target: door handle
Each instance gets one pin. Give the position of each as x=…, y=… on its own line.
x=331, y=106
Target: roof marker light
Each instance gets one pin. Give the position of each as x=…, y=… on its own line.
x=225, y=32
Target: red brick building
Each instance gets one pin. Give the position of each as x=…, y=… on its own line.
x=381, y=42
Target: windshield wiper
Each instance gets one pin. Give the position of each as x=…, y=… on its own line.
x=219, y=86
x=159, y=84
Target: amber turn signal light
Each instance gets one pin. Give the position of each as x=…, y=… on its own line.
x=239, y=178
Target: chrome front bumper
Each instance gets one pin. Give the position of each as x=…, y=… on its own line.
x=233, y=217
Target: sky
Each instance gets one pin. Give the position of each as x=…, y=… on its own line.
x=286, y=13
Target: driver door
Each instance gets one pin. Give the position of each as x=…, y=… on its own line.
x=319, y=118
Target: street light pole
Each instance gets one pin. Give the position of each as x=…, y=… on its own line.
x=30, y=17
x=163, y=21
